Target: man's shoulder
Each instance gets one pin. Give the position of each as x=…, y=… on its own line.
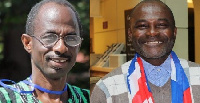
x=75, y=91
x=186, y=64
x=122, y=70
x=10, y=95
x=115, y=78
x=192, y=71
x=114, y=84
x=191, y=68
x=3, y=91
x=72, y=87
x=17, y=86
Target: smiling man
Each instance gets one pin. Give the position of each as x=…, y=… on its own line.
x=53, y=40
x=156, y=74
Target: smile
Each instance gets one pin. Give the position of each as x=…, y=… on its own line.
x=60, y=60
x=59, y=63
x=153, y=42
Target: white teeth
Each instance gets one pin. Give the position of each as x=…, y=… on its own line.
x=60, y=61
x=63, y=60
x=153, y=42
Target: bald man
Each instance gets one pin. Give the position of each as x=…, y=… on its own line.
x=156, y=74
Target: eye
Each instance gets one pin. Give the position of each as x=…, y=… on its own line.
x=49, y=38
x=70, y=38
x=162, y=25
x=142, y=26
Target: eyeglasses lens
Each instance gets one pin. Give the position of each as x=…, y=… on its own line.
x=71, y=40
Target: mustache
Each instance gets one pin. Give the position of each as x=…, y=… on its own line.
x=49, y=57
x=144, y=39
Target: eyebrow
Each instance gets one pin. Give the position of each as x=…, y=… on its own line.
x=50, y=31
x=54, y=31
x=72, y=33
x=141, y=20
x=160, y=19
x=164, y=19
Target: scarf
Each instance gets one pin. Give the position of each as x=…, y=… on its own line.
x=140, y=90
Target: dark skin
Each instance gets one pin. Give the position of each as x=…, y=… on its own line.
x=50, y=66
x=152, y=32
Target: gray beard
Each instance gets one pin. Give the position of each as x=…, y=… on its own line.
x=163, y=52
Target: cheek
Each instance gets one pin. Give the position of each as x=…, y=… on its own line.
x=136, y=36
x=38, y=52
x=169, y=33
x=74, y=51
x=138, y=33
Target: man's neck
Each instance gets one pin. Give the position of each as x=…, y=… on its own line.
x=51, y=98
x=156, y=61
x=50, y=84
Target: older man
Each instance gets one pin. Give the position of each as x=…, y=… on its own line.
x=156, y=73
x=53, y=40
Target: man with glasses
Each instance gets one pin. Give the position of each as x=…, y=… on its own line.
x=53, y=40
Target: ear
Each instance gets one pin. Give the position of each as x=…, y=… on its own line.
x=175, y=31
x=130, y=35
x=79, y=47
x=27, y=42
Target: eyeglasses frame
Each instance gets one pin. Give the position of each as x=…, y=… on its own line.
x=60, y=37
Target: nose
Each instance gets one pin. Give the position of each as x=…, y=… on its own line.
x=59, y=47
x=152, y=31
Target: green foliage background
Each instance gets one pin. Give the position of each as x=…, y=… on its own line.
x=13, y=15
x=14, y=12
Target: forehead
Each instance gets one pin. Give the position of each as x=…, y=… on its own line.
x=152, y=11
x=52, y=13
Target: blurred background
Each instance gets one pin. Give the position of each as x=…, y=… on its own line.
x=15, y=61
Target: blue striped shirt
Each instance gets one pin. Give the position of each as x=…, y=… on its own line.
x=158, y=75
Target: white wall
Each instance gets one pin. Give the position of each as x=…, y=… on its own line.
x=180, y=11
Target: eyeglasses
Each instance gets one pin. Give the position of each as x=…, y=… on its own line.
x=51, y=39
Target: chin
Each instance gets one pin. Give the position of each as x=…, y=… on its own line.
x=56, y=75
x=151, y=56
x=154, y=54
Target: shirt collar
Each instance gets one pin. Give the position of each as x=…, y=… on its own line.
x=149, y=67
